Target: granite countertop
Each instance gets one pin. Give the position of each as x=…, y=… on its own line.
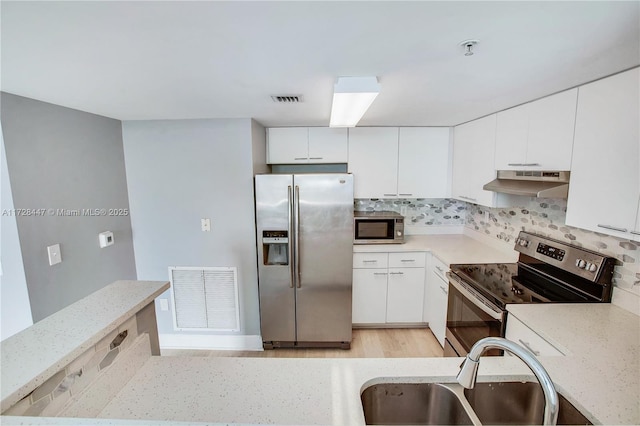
x=35, y=354
x=451, y=249
x=601, y=367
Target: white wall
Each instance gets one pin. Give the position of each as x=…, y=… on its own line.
x=15, y=310
x=179, y=171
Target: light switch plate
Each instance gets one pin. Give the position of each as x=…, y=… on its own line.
x=164, y=304
x=206, y=224
x=54, y=254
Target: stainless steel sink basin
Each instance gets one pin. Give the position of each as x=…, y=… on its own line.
x=507, y=403
x=413, y=404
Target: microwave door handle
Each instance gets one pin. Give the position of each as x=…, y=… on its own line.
x=291, y=243
x=475, y=300
x=296, y=203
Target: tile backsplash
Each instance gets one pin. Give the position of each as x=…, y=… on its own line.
x=546, y=216
x=419, y=211
x=543, y=216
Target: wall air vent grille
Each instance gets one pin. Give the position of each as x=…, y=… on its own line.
x=287, y=99
x=205, y=298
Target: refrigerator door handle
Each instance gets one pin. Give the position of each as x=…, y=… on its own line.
x=290, y=245
x=296, y=202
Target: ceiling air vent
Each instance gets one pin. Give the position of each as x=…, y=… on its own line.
x=287, y=99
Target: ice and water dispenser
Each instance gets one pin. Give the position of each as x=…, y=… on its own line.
x=275, y=247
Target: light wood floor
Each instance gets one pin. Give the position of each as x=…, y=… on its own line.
x=366, y=343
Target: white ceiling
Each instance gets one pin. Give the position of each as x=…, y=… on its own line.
x=174, y=60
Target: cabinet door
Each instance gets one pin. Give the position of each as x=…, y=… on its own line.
x=287, y=145
x=369, y=296
x=327, y=145
x=473, y=160
x=405, y=295
x=423, y=162
x=605, y=182
x=512, y=127
x=518, y=332
x=373, y=160
x=551, y=127
x=439, y=290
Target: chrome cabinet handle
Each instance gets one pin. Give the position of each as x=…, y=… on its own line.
x=292, y=243
x=296, y=201
x=300, y=158
x=613, y=228
x=529, y=348
x=407, y=260
x=369, y=261
x=635, y=232
x=439, y=269
x=524, y=164
x=467, y=198
x=396, y=273
x=406, y=195
x=316, y=158
x=390, y=195
x=379, y=273
x=444, y=290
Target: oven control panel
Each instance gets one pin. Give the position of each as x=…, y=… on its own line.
x=584, y=263
x=552, y=252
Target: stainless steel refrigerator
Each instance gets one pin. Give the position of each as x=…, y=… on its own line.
x=305, y=258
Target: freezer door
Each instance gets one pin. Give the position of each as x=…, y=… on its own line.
x=274, y=202
x=324, y=207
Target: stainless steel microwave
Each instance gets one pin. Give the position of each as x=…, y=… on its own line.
x=378, y=228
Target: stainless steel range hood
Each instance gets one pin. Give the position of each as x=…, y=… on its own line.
x=531, y=183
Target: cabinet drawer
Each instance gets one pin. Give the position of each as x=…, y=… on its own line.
x=407, y=260
x=519, y=333
x=370, y=260
x=440, y=268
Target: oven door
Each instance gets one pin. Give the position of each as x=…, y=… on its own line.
x=470, y=317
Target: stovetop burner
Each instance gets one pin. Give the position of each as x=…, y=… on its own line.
x=547, y=271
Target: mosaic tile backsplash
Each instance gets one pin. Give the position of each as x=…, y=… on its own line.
x=419, y=211
x=546, y=216
x=543, y=216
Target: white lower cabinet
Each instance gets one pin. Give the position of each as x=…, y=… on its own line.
x=388, y=288
x=437, y=293
x=519, y=333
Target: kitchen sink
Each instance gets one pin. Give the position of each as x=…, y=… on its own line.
x=413, y=404
x=494, y=403
x=507, y=403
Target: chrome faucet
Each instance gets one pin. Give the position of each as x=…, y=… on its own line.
x=469, y=371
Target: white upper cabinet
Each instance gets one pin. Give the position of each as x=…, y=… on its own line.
x=328, y=145
x=537, y=135
x=304, y=145
x=373, y=160
x=473, y=155
x=409, y=162
x=605, y=174
x=423, y=162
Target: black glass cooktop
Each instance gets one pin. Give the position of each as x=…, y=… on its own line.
x=504, y=283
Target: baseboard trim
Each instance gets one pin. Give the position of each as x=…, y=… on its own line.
x=211, y=342
x=393, y=325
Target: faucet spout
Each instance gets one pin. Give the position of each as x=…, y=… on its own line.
x=469, y=371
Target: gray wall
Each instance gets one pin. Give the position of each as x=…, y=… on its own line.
x=178, y=172
x=59, y=158
x=15, y=310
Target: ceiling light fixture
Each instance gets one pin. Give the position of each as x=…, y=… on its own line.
x=352, y=96
x=468, y=46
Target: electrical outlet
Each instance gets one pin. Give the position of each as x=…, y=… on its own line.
x=205, y=224
x=54, y=254
x=164, y=304
x=486, y=216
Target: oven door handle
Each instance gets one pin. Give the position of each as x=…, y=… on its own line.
x=476, y=299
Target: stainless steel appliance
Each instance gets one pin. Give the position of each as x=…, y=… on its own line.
x=547, y=271
x=381, y=227
x=305, y=257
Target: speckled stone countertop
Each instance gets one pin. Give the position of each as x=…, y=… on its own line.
x=601, y=369
x=450, y=248
x=35, y=354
